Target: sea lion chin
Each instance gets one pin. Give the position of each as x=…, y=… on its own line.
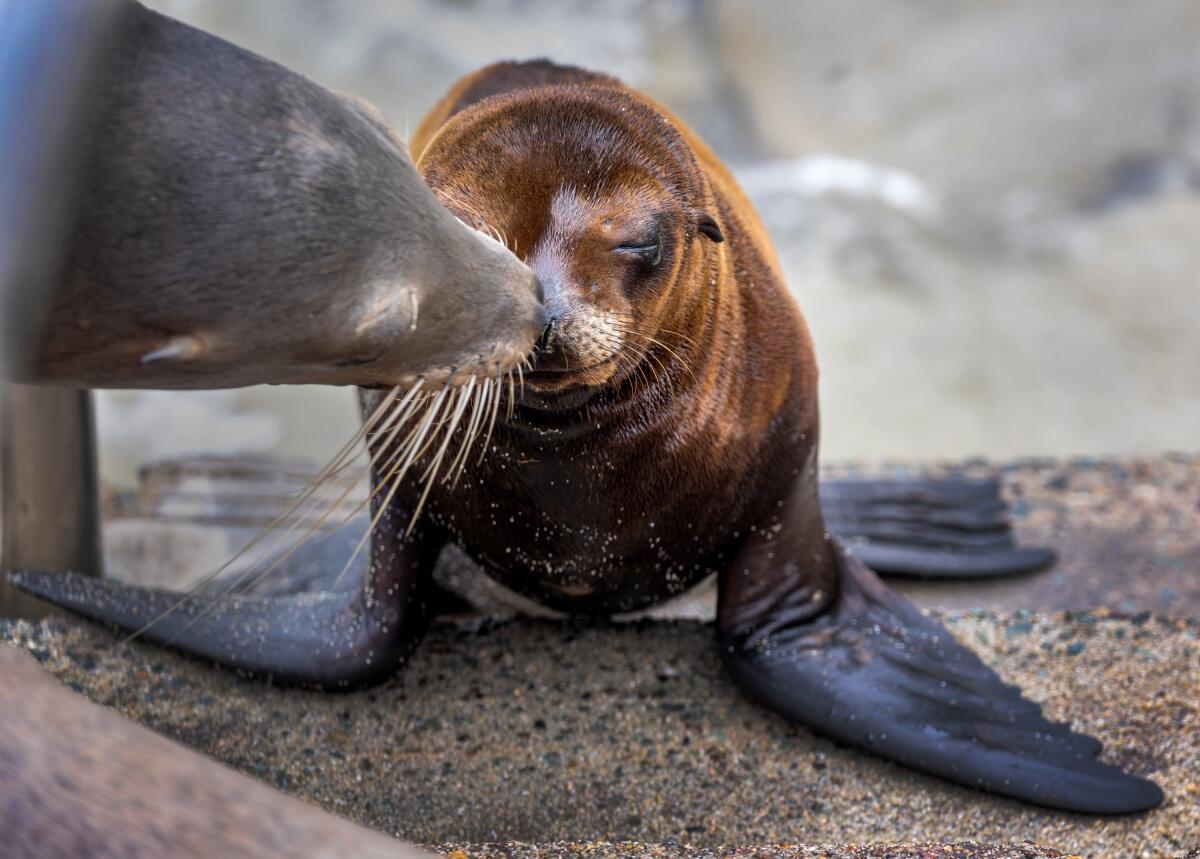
x=670, y=432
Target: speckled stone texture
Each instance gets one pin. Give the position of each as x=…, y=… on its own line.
x=1127, y=534
x=538, y=732
x=546, y=736
x=634, y=850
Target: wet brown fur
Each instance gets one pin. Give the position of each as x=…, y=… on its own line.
x=615, y=486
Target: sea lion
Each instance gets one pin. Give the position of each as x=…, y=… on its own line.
x=233, y=223
x=668, y=431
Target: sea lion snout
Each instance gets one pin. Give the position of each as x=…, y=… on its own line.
x=545, y=343
x=235, y=224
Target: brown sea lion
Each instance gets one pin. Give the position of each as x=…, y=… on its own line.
x=233, y=223
x=669, y=431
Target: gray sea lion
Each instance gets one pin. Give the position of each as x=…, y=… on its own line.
x=233, y=223
x=668, y=432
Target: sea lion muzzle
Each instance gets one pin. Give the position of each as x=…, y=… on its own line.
x=232, y=223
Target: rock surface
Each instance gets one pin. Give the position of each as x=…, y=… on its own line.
x=634, y=850
x=535, y=731
x=1125, y=532
x=555, y=734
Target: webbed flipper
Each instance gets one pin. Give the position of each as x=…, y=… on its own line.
x=334, y=640
x=952, y=527
x=323, y=639
x=868, y=669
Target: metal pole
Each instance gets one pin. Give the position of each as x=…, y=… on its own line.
x=49, y=487
x=49, y=54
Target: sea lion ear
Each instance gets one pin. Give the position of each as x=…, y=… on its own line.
x=708, y=225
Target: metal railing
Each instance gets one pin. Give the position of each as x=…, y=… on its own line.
x=48, y=53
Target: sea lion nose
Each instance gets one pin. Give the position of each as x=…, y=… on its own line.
x=545, y=343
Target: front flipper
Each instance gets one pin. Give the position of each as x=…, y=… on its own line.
x=944, y=528
x=334, y=640
x=807, y=630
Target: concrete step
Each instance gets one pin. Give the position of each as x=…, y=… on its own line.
x=638, y=850
x=538, y=731
x=1125, y=532
x=539, y=739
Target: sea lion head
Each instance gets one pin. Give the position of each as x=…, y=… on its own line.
x=599, y=193
x=230, y=222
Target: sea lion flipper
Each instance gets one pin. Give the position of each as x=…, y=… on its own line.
x=873, y=672
x=319, y=639
x=331, y=639
x=952, y=527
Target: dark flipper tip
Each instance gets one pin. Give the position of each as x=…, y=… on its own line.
x=931, y=562
x=876, y=674
x=953, y=527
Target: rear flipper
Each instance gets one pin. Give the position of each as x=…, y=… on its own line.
x=945, y=528
x=333, y=640
x=870, y=670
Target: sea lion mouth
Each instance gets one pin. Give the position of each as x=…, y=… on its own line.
x=552, y=377
x=558, y=389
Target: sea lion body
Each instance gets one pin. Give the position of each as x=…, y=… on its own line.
x=234, y=223
x=668, y=430
x=646, y=487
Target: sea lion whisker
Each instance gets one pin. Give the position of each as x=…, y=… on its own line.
x=403, y=409
x=640, y=352
x=446, y=429
x=629, y=361
x=469, y=435
x=303, y=495
x=375, y=451
x=248, y=577
x=686, y=365
x=495, y=410
x=431, y=470
x=474, y=396
x=240, y=582
x=679, y=334
x=634, y=332
x=393, y=481
x=427, y=430
x=512, y=394
x=649, y=356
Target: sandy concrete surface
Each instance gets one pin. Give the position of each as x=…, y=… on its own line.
x=1125, y=531
x=534, y=740
x=634, y=850
x=1127, y=534
x=538, y=732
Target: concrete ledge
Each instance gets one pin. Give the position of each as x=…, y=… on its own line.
x=1127, y=532
x=539, y=732
x=527, y=740
x=635, y=850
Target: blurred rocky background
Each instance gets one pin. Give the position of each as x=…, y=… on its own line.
x=989, y=212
